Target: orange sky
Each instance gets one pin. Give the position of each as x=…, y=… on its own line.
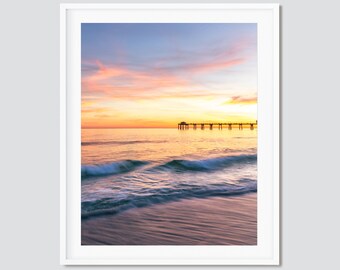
x=156, y=75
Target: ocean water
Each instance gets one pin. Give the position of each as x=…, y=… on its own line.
x=125, y=169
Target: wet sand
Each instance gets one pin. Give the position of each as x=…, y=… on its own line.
x=209, y=221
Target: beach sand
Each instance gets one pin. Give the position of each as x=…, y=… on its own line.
x=208, y=221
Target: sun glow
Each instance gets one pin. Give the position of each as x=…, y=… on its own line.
x=144, y=79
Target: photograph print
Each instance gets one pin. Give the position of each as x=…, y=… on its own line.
x=169, y=134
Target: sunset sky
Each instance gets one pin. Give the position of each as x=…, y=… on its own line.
x=156, y=75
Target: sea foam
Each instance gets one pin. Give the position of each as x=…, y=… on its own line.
x=110, y=168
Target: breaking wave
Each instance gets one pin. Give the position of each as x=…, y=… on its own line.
x=110, y=168
x=176, y=165
x=207, y=164
x=115, y=205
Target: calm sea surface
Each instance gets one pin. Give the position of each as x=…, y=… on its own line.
x=124, y=169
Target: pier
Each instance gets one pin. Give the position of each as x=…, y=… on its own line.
x=227, y=125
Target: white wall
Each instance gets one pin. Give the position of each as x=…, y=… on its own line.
x=29, y=103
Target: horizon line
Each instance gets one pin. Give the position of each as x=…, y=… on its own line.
x=125, y=127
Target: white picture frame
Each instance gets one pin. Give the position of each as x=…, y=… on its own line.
x=267, y=251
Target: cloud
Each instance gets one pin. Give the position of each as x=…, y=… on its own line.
x=218, y=65
x=120, y=81
x=174, y=76
x=217, y=56
x=94, y=110
x=241, y=100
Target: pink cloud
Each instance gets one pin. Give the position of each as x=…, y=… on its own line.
x=216, y=65
x=107, y=81
x=118, y=81
x=241, y=100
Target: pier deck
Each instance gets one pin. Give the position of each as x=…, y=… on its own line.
x=229, y=125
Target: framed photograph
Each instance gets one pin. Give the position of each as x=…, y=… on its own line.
x=169, y=134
